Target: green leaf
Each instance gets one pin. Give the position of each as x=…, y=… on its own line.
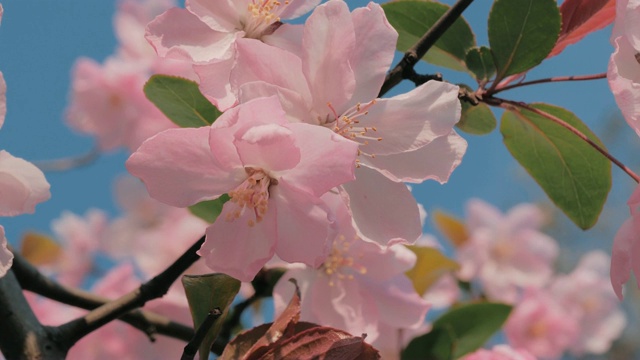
x=574, y=175
x=181, y=101
x=476, y=120
x=479, y=61
x=413, y=18
x=205, y=293
x=438, y=344
x=210, y=209
x=459, y=331
x=522, y=33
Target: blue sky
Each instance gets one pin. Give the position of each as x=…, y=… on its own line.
x=40, y=41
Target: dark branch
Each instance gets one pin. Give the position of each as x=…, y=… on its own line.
x=417, y=51
x=192, y=347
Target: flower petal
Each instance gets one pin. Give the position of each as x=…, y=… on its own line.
x=624, y=79
x=6, y=257
x=270, y=147
x=406, y=309
x=22, y=186
x=624, y=254
x=215, y=84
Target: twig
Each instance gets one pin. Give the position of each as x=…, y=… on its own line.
x=76, y=329
x=578, y=133
x=69, y=163
x=551, y=79
x=405, y=67
x=192, y=347
x=150, y=323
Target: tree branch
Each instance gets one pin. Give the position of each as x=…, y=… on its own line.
x=76, y=329
x=404, y=69
x=150, y=323
x=551, y=79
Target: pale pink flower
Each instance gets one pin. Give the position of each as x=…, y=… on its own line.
x=80, y=238
x=393, y=340
x=506, y=252
x=586, y=295
x=445, y=291
x=500, y=352
x=334, y=83
x=274, y=172
x=624, y=65
x=359, y=287
x=205, y=33
x=152, y=233
x=540, y=325
x=625, y=253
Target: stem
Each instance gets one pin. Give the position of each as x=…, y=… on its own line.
x=150, y=323
x=551, y=79
x=578, y=133
x=192, y=347
x=231, y=323
x=76, y=329
x=23, y=337
x=69, y=163
x=417, y=51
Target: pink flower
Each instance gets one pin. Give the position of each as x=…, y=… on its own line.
x=506, y=253
x=274, y=172
x=360, y=287
x=205, y=32
x=540, y=325
x=586, y=295
x=625, y=253
x=624, y=66
x=334, y=83
x=500, y=352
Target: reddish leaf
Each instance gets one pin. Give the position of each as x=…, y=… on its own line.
x=580, y=18
x=322, y=343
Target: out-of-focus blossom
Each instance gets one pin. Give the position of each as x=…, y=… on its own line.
x=500, y=352
x=541, y=325
x=445, y=291
x=360, y=288
x=625, y=254
x=586, y=295
x=274, y=172
x=334, y=83
x=506, y=253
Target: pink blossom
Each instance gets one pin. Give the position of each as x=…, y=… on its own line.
x=540, y=325
x=626, y=247
x=359, y=288
x=506, y=252
x=500, y=352
x=586, y=295
x=445, y=291
x=274, y=172
x=334, y=83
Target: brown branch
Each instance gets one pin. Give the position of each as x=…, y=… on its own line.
x=150, y=323
x=564, y=124
x=404, y=69
x=76, y=329
x=551, y=79
x=192, y=347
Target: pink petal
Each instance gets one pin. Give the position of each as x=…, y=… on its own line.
x=6, y=257
x=295, y=105
x=270, y=147
x=22, y=186
x=399, y=303
x=286, y=37
x=383, y=264
x=481, y=214
x=214, y=82
x=237, y=249
x=580, y=18
x=302, y=213
x=383, y=211
x=223, y=15
x=178, y=168
x=409, y=121
x=297, y=8
x=624, y=79
x=329, y=37
x=624, y=256
x=326, y=159
x=3, y=99
x=371, y=63
x=179, y=34
x=525, y=216
x=434, y=161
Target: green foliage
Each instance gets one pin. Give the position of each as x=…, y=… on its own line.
x=575, y=176
x=181, y=101
x=479, y=61
x=458, y=332
x=413, y=18
x=210, y=209
x=476, y=120
x=522, y=33
x=205, y=293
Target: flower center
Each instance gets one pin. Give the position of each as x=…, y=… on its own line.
x=340, y=264
x=263, y=14
x=348, y=125
x=252, y=194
